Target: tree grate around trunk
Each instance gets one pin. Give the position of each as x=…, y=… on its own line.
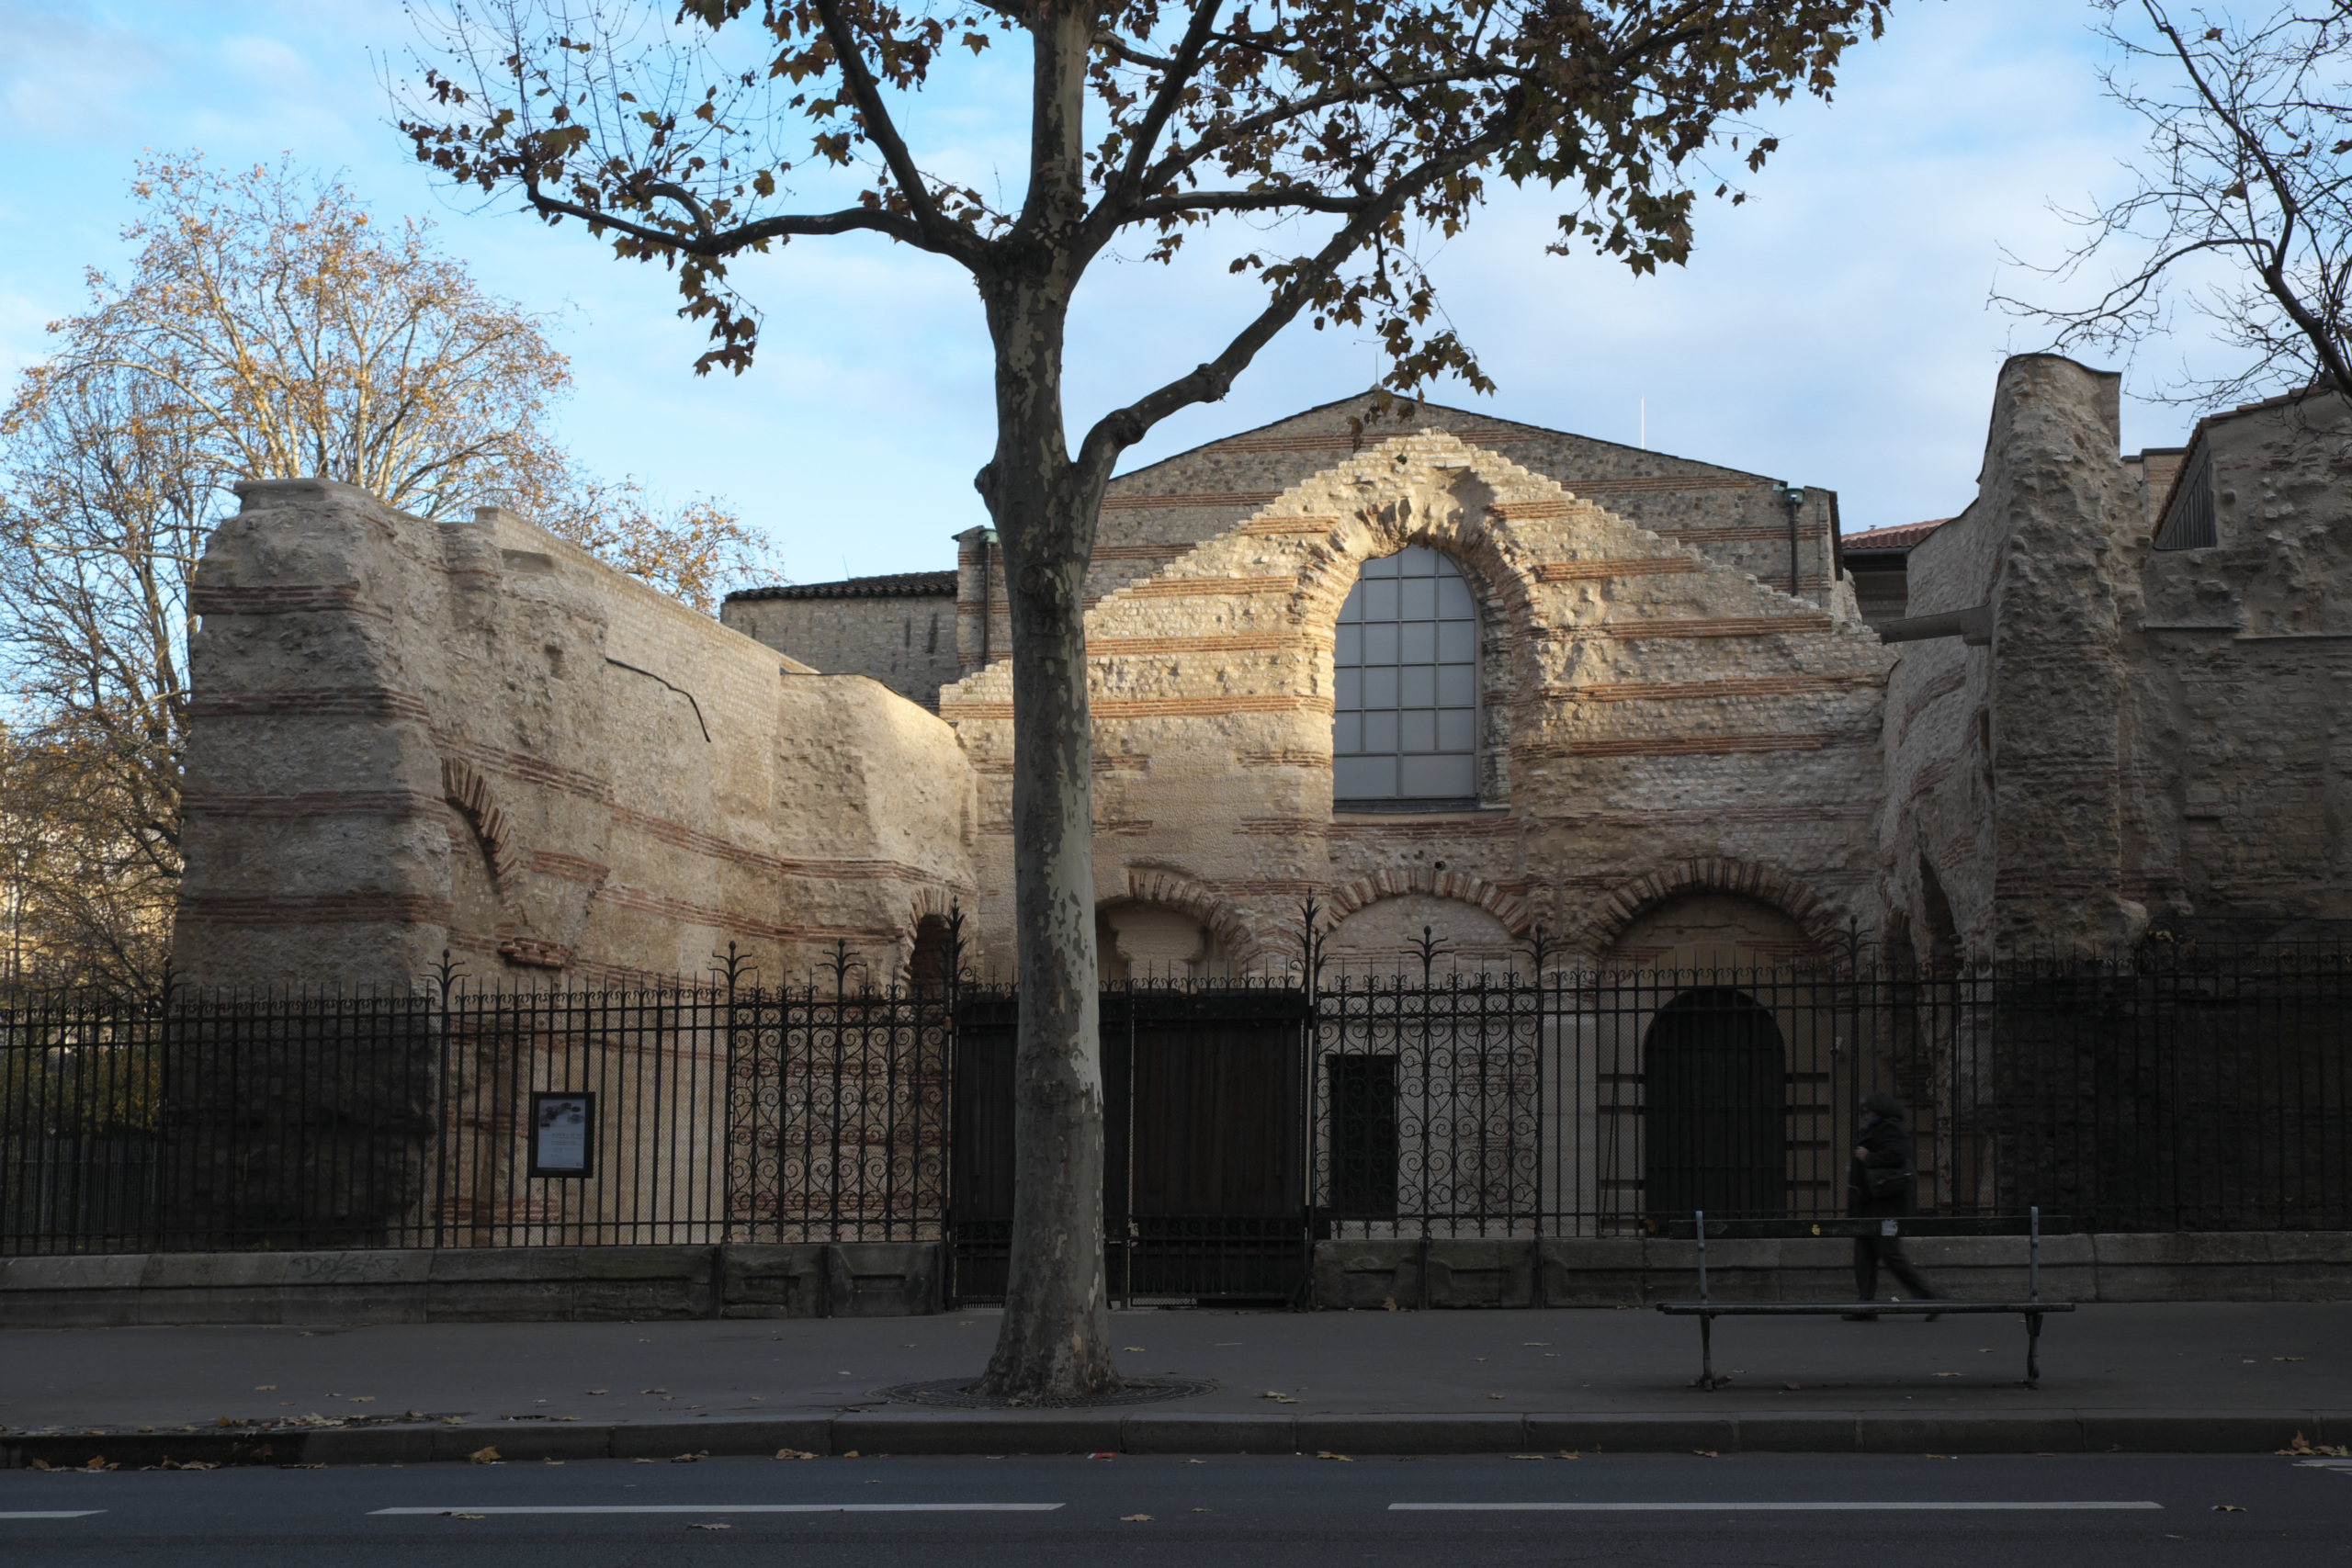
x=950, y=1393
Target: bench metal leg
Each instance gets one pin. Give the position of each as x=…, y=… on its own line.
x=2033, y=1349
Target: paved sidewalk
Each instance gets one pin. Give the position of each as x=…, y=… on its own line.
x=2155, y=1376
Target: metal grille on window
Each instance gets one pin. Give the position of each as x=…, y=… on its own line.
x=1404, y=725
x=2189, y=522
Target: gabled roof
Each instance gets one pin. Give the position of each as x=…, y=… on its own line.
x=895, y=585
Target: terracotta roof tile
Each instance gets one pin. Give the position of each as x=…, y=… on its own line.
x=896, y=585
x=1902, y=536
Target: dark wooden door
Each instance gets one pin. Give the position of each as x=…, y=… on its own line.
x=1713, y=1108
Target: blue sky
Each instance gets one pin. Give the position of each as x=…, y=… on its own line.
x=1834, y=331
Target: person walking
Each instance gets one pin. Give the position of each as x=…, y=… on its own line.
x=1879, y=1181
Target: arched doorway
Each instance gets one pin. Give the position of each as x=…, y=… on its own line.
x=1713, y=1108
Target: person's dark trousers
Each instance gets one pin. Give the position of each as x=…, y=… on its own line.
x=1871, y=1250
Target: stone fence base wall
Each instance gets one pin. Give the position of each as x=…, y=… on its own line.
x=490, y=1284
x=559, y=1284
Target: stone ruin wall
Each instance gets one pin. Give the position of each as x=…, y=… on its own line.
x=408, y=735
x=2245, y=661
x=2152, y=740
x=907, y=641
x=1686, y=749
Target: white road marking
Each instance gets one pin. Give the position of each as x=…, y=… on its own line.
x=49, y=1513
x=739, y=1508
x=1748, y=1507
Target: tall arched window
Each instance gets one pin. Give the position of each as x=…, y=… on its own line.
x=1404, y=725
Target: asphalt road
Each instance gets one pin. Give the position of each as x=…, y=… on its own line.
x=1676, y=1512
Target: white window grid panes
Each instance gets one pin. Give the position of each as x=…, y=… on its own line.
x=1405, y=689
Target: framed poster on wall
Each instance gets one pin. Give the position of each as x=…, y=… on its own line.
x=563, y=1133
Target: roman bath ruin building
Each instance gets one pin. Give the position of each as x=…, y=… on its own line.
x=1449, y=672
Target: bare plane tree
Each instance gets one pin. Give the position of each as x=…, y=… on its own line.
x=2242, y=204
x=733, y=128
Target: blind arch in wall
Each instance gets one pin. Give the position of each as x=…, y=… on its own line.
x=1405, y=719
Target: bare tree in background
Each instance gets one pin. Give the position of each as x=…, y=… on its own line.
x=268, y=329
x=2242, y=204
x=1360, y=126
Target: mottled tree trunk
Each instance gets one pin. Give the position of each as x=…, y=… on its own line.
x=1055, y=1342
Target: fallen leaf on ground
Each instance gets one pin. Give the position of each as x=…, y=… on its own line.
x=1706, y=1453
x=1270, y=1394
x=794, y=1453
x=599, y=1390
x=1523, y=1456
x=1326, y=1453
x=1199, y=1510
x=484, y=1456
x=320, y=1466
x=98, y=1462
x=1494, y=1396
x=1946, y=1374
x=2227, y=1508
x=1567, y=1453
x=1132, y=1349
x=690, y=1458
x=852, y=1454
x=653, y=1391
x=1792, y=1385
x=1135, y=1519
x=710, y=1527
x=551, y=1461
x=191, y=1464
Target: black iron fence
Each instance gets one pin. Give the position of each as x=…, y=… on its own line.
x=457, y=1117
x=2148, y=1093
x=1249, y=1119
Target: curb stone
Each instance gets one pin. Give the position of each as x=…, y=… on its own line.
x=1190, y=1432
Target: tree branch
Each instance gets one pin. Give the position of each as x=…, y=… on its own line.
x=1163, y=104
x=1298, y=198
x=727, y=242
x=943, y=237
x=1122, y=428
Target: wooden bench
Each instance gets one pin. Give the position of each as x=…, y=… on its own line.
x=1706, y=1309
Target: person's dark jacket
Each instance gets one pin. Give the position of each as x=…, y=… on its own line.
x=1886, y=1145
